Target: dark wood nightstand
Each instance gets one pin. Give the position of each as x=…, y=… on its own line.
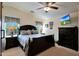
x=11, y=42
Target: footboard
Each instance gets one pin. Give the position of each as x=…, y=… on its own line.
x=38, y=45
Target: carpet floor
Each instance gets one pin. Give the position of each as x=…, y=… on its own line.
x=53, y=51
x=16, y=51
x=59, y=51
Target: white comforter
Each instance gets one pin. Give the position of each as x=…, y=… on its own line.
x=23, y=39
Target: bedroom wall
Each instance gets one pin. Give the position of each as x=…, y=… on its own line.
x=56, y=25
x=25, y=17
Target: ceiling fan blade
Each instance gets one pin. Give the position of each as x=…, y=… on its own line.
x=47, y=3
x=53, y=7
x=53, y=2
x=40, y=8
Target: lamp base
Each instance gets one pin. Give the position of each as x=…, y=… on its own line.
x=11, y=34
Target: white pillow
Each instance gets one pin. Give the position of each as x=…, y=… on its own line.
x=29, y=32
x=34, y=32
x=25, y=32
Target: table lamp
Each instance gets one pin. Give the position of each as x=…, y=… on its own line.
x=12, y=28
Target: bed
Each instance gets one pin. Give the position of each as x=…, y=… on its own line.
x=34, y=43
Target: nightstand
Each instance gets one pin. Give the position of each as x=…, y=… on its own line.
x=11, y=42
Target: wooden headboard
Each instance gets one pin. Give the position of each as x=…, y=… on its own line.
x=27, y=27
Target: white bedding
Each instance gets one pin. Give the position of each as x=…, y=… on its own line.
x=23, y=39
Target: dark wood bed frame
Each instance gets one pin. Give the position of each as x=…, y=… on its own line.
x=38, y=45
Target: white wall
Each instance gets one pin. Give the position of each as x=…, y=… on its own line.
x=56, y=25
x=25, y=17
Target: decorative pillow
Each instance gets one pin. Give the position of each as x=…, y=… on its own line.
x=34, y=32
x=29, y=32
x=25, y=32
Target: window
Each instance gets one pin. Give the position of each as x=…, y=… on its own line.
x=39, y=26
x=11, y=25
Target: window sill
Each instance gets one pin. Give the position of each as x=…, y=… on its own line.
x=10, y=36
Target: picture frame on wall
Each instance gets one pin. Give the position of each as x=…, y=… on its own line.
x=51, y=25
x=39, y=23
x=65, y=20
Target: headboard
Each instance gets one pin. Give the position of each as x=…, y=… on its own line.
x=27, y=27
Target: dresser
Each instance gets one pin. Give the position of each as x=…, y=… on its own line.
x=68, y=37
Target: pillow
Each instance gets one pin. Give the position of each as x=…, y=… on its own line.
x=29, y=32
x=34, y=32
x=25, y=32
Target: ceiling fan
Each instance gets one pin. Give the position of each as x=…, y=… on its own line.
x=48, y=6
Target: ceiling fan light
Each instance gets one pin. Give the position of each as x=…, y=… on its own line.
x=47, y=8
x=50, y=3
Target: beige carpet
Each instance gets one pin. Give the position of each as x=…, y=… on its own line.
x=17, y=51
x=59, y=51
x=54, y=51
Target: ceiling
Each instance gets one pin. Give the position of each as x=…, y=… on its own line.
x=64, y=8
